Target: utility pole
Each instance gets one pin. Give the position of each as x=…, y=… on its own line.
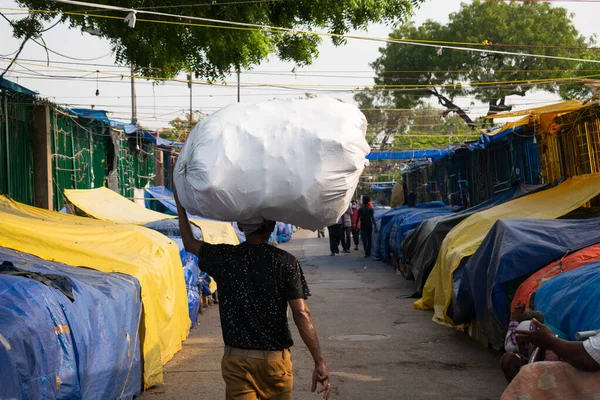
x=133, y=98
x=238, y=88
x=189, y=77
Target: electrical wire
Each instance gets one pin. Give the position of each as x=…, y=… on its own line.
x=420, y=86
x=266, y=28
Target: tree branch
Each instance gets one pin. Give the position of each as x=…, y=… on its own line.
x=451, y=107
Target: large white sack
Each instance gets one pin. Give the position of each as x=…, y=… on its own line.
x=294, y=161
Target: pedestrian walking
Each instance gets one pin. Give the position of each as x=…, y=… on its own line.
x=347, y=230
x=335, y=237
x=321, y=233
x=366, y=215
x=355, y=224
x=257, y=282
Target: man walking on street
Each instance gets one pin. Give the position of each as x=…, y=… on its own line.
x=257, y=282
x=347, y=230
x=366, y=214
x=355, y=224
x=335, y=237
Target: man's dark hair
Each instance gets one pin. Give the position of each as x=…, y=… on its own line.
x=267, y=229
x=366, y=199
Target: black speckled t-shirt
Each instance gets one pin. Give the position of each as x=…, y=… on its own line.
x=255, y=284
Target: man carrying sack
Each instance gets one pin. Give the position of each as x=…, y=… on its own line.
x=257, y=282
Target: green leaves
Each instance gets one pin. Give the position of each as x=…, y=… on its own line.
x=163, y=49
x=534, y=28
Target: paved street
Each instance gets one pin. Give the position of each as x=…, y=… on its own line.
x=413, y=357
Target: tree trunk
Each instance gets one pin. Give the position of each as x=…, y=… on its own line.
x=451, y=107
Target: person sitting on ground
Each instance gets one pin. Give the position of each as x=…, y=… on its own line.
x=257, y=283
x=581, y=355
x=577, y=377
x=367, y=222
x=518, y=351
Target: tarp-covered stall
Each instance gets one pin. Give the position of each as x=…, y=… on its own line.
x=385, y=228
x=422, y=247
x=67, y=332
x=511, y=252
x=569, y=301
x=139, y=252
x=106, y=205
x=462, y=241
x=567, y=263
x=406, y=222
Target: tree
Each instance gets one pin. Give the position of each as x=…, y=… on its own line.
x=181, y=128
x=445, y=74
x=164, y=49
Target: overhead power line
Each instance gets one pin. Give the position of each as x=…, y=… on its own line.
x=267, y=28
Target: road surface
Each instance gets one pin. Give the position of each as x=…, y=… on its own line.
x=354, y=299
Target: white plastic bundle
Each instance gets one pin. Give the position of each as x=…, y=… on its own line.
x=294, y=161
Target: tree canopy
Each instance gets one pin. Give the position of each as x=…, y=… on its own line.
x=445, y=74
x=424, y=127
x=170, y=45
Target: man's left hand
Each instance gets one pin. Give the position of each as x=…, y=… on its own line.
x=541, y=337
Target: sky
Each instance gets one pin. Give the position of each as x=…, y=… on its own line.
x=157, y=104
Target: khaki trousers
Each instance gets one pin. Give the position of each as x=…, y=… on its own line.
x=257, y=375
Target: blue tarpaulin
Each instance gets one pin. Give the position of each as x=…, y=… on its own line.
x=511, y=251
x=569, y=301
x=15, y=87
x=164, y=203
x=408, y=155
x=410, y=219
x=385, y=228
x=284, y=232
x=53, y=347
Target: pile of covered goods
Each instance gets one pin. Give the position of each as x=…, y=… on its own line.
x=522, y=246
x=73, y=325
x=106, y=205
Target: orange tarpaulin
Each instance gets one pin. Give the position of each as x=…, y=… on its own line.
x=570, y=262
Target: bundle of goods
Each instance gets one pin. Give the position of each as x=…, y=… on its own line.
x=294, y=161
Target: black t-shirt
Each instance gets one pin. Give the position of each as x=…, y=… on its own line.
x=255, y=283
x=366, y=215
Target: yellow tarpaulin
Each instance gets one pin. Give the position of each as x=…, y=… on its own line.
x=142, y=253
x=465, y=238
x=562, y=107
x=541, y=117
x=106, y=205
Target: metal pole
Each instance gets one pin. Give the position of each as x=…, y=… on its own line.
x=133, y=98
x=238, y=86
